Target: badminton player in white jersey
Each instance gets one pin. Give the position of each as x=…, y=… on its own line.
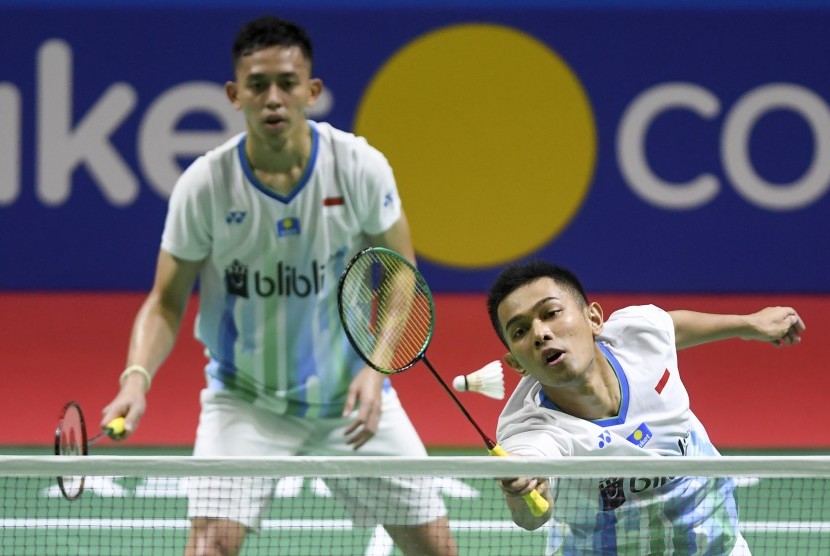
x=267, y=222
x=592, y=387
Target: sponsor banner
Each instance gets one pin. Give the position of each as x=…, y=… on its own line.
x=59, y=347
x=683, y=150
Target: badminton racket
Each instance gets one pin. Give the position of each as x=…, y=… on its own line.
x=388, y=314
x=71, y=440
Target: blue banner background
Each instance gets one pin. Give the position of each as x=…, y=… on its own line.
x=617, y=241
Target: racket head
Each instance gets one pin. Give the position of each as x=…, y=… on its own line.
x=386, y=308
x=71, y=440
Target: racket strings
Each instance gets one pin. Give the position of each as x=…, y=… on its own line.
x=391, y=315
x=411, y=323
x=393, y=327
x=71, y=440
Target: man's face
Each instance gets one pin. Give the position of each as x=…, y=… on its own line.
x=273, y=88
x=550, y=334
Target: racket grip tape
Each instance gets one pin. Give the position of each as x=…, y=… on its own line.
x=537, y=504
x=115, y=428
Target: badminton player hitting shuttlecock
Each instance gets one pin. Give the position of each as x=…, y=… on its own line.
x=488, y=380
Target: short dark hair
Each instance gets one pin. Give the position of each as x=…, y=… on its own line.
x=270, y=31
x=519, y=274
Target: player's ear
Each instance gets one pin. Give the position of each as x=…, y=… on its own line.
x=316, y=87
x=595, y=317
x=232, y=92
x=511, y=362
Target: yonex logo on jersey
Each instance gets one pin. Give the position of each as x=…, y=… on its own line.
x=288, y=227
x=640, y=436
x=388, y=200
x=604, y=439
x=235, y=216
x=286, y=281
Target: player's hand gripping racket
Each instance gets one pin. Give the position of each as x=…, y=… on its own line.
x=71, y=440
x=388, y=313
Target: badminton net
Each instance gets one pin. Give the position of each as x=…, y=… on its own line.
x=138, y=505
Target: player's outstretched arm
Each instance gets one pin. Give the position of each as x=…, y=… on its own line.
x=153, y=336
x=781, y=326
x=514, y=490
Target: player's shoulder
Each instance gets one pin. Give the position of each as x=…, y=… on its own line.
x=221, y=159
x=638, y=327
x=641, y=316
x=328, y=132
x=524, y=427
x=522, y=407
x=346, y=146
x=226, y=154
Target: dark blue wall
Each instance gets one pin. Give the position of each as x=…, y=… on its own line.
x=70, y=224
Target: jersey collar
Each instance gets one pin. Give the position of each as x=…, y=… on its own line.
x=304, y=179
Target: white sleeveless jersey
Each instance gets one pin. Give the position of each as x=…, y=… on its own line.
x=268, y=289
x=628, y=515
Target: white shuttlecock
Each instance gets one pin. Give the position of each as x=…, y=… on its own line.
x=488, y=380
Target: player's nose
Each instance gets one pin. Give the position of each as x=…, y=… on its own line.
x=541, y=333
x=273, y=97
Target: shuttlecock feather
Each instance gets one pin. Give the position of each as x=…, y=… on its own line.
x=488, y=380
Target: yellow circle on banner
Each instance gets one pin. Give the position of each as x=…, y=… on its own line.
x=491, y=137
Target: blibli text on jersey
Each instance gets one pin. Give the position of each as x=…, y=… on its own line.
x=286, y=281
x=614, y=491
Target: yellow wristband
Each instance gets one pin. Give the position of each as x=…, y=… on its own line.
x=140, y=370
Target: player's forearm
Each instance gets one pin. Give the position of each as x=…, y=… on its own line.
x=779, y=325
x=154, y=334
x=692, y=328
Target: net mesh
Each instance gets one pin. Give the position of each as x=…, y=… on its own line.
x=139, y=504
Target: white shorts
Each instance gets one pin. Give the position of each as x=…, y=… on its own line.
x=229, y=426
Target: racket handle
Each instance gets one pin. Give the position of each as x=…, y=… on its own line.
x=535, y=501
x=115, y=428
x=537, y=504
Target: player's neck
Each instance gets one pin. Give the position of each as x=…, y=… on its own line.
x=596, y=396
x=279, y=165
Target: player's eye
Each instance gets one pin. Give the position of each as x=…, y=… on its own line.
x=288, y=83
